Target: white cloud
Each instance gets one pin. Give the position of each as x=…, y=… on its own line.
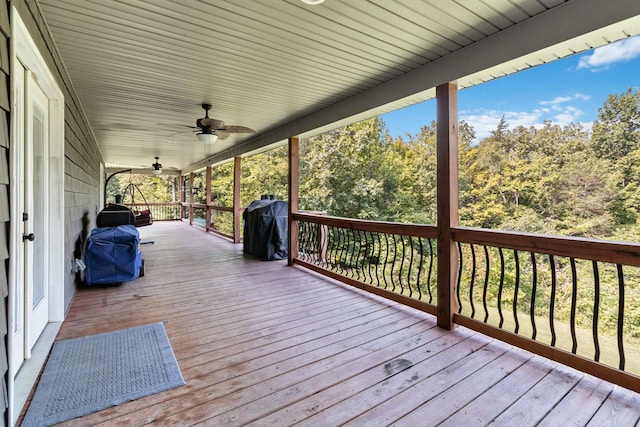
x=562, y=99
x=602, y=57
x=568, y=115
x=484, y=122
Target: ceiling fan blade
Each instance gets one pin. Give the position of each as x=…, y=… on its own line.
x=213, y=123
x=222, y=134
x=237, y=129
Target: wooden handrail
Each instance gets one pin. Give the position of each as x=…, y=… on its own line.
x=414, y=230
x=204, y=206
x=157, y=204
x=576, y=247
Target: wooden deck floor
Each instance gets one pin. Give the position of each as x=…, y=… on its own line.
x=263, y=344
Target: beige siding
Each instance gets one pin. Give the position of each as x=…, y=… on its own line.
x=82, y=156
x=4, y=198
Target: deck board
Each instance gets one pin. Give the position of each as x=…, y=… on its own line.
x=263, y=344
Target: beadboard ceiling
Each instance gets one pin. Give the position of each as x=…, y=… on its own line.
x=143, y=68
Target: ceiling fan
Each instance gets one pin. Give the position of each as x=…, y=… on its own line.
x=211, y=130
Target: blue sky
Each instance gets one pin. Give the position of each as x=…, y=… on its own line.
x=570, y=89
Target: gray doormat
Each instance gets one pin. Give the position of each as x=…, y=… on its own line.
x=88, y=374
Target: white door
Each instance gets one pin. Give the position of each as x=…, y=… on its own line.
x=35, y=235
x=31, y=299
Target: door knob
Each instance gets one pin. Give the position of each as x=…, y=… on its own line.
x=30, y=237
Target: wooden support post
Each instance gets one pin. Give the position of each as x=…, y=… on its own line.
x=447, y=200
x=294, y=157
x=207, y=212
x=237, y=173
x=181, y=197
x=192, y=176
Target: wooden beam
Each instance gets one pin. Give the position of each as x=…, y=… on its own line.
x=294, y=158
x=237, y=174
x=207, y=211
x=192, y=176
x=447, y=199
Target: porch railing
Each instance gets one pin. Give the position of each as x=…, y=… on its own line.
x=397, y=261
x=162, y=211
x=564, y=298
x=220, y=218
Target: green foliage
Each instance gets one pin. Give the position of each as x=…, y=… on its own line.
x=344, y=171
x=154, y=188
x=265, y=173
x=616, y=133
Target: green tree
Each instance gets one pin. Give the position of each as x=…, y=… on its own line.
x=616, y=133
x=343, y=171
x=264, y=173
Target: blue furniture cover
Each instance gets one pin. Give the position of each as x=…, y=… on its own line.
x=113, y=255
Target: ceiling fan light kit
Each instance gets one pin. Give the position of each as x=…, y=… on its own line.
x=207, y=138
x=157, y=167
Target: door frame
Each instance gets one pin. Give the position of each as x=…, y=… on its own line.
x=22, y=378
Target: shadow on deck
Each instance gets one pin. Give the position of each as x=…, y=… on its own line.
x=261, y=343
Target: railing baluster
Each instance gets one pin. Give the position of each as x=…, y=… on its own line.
x=301, y=225
x=393, y=264
x=355, y=265
x=324, y=245
x=430, y=269
x=459, y=281
x=343, y=251
x=307, y=245
x=500, y=287
x=596, y=309
x=386, y=260
x=353, y=252
x=621, y=317
x=370, y=254
x=552, y=303
x=366, y=258
x=301, y=228
x=336, y=241
x=515, y=292
x=401, y=266
x=378, y=255
x=344, y=257
x=409, y=269
x=473, y=277
x=486, y=284
x=574, y=303
x=420, y=264
x=534, y=288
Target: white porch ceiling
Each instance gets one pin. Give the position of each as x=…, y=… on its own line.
x=142, y=68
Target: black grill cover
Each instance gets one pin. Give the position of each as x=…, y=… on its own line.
x=114, y=215
x=265, y=229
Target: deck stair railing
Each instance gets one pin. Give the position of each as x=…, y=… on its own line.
x=564, y=298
